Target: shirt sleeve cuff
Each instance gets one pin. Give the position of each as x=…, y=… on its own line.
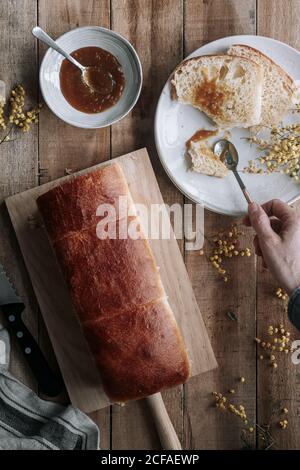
x=294, y=308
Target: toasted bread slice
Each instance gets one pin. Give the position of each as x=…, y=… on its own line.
x=278, y=88
x=228, y=89
x=202, y=157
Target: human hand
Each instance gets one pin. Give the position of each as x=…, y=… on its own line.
x=277, y=240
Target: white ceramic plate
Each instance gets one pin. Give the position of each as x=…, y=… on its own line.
x=84, y=37
x=175, y=123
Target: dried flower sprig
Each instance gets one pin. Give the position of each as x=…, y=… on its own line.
x=283, y=424
x=226, y=244
x=280, y=343
x=222, y=403
x=17, y=116
x=281, y=152
x=2, y=118
x=281, y=294
x=265, y=438
x=17, y=101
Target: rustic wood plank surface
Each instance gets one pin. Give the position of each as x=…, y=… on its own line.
x=18, y=159
x=232, y=342
x=163, y=32
x=282, y=389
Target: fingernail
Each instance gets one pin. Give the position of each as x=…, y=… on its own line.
x=252, y=208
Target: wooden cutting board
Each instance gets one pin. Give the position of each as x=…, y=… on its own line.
x=77, y=366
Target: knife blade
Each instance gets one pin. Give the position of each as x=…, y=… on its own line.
x=12, y=307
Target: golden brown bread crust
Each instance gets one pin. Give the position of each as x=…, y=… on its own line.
x=194, y=59
x=115, y=288
x=143, y=348
x=281, y=71
x=72, y=206
x=116, y=274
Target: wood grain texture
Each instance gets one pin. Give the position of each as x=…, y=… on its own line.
x=205, y=427
x=163, y=31
x=18, y=159
x=279, y=19
x=208, y=20
x=155, y=30
x=280, y=388
x=62, y=146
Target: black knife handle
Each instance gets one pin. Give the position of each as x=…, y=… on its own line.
x=50, y=384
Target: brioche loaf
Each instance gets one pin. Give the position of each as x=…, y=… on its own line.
x=115, y=288
x=278, y=87
x=226, y=88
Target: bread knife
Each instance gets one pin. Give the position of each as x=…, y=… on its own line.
x=12, y=308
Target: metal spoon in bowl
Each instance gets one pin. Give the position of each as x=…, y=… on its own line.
x=103, y=83
x=227, y=152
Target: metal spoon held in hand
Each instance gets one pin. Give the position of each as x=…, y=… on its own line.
x=106, y=82
x=228, y=154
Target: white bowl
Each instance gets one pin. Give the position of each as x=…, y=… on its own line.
x=84, y=37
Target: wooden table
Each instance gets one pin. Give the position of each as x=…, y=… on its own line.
x=163, y=32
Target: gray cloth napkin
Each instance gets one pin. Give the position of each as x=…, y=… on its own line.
x=28, y=422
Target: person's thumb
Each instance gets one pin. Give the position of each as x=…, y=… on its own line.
x=260, y=221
